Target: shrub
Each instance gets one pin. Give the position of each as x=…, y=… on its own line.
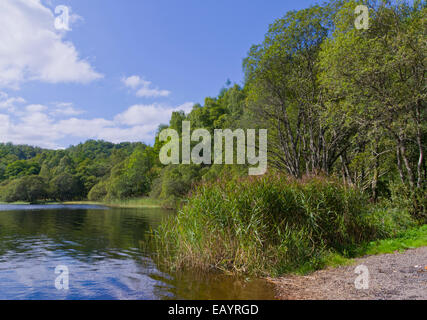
x=29, y=188
x=176, y=181
x=268, y=225
x=413, y=201
x=98, y=191
x=65, y=187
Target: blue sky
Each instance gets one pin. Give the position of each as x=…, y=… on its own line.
x=123, y=66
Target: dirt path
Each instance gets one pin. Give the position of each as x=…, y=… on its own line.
x=391, y=276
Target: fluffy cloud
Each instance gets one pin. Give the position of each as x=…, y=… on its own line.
x=143, y=87
x=65, y=109
x=35, y=108
x=47, y=127
x=132, y=81
x=154, y=113
x=32, y=128
x=32, y=49
x=9, y=103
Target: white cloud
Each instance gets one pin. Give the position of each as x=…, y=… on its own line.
x=44, y=126
x=132, y=81
x=32, y=49
x=31, y=128
x=148, y=92
x=144, y=86
x=186, y=107
x=66, y=109
x=142, y=114
x=9, y=103
x=33, y=108
x=90, y=128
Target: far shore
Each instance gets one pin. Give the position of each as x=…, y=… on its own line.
x=138, y=203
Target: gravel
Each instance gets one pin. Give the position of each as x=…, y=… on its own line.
x=397, y=276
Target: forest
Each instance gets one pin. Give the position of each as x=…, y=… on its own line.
x=337, y=101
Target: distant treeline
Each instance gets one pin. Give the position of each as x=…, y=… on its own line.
x=100, y=170
x=335, y=100
x=32, y=174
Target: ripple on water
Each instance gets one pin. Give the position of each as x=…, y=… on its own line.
x=105, y=252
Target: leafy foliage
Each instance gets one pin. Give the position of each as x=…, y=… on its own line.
x=32, y=174
x=336, y=101
x=269, y=225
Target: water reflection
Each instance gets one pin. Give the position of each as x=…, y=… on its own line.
x=105, y=252
x=213, y=286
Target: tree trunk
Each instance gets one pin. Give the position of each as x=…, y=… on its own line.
x=399, y=164
x=406, y=163
x=420, y=148
x=375, y=175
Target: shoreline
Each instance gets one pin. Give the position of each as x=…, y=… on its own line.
x=397, y=270
x=391, y=276
x=138, y=203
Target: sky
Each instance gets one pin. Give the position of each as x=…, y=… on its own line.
x=118, y=69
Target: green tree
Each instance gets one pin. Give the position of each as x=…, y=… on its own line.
x=21, y=168
x=65, y=187
x=28, y=188
x=284, y=94
x=132, y=177
x=379, y=77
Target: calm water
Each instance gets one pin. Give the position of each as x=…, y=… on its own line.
x=105, y=253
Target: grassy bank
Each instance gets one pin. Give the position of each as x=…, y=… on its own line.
x=412, y=238
x=17, y=202
x=270, y=225
x=128, y=203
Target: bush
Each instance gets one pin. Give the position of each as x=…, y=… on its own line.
x=175, y=181
x=268, y=225
x=65, y=187
x=98, y=192
x=30, y=188
x=413, y=201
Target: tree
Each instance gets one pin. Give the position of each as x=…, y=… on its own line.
x=284, y=93
x=132, y=177
x=379, y=76
x=28, y=188
x=65, y=187
x=98, y=191
x=21, y=168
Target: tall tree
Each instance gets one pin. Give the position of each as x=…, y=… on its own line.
x=379, y=74
x=284, y=93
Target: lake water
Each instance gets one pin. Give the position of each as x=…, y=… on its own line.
x=105, y=253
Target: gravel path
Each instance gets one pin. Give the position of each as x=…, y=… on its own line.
x=397, y=276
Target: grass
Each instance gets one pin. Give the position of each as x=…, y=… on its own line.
x=271, y=225
x=128, y=203
x=17, y=202
x=412, y=238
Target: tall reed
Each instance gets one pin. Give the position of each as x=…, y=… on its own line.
x=267, y=225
